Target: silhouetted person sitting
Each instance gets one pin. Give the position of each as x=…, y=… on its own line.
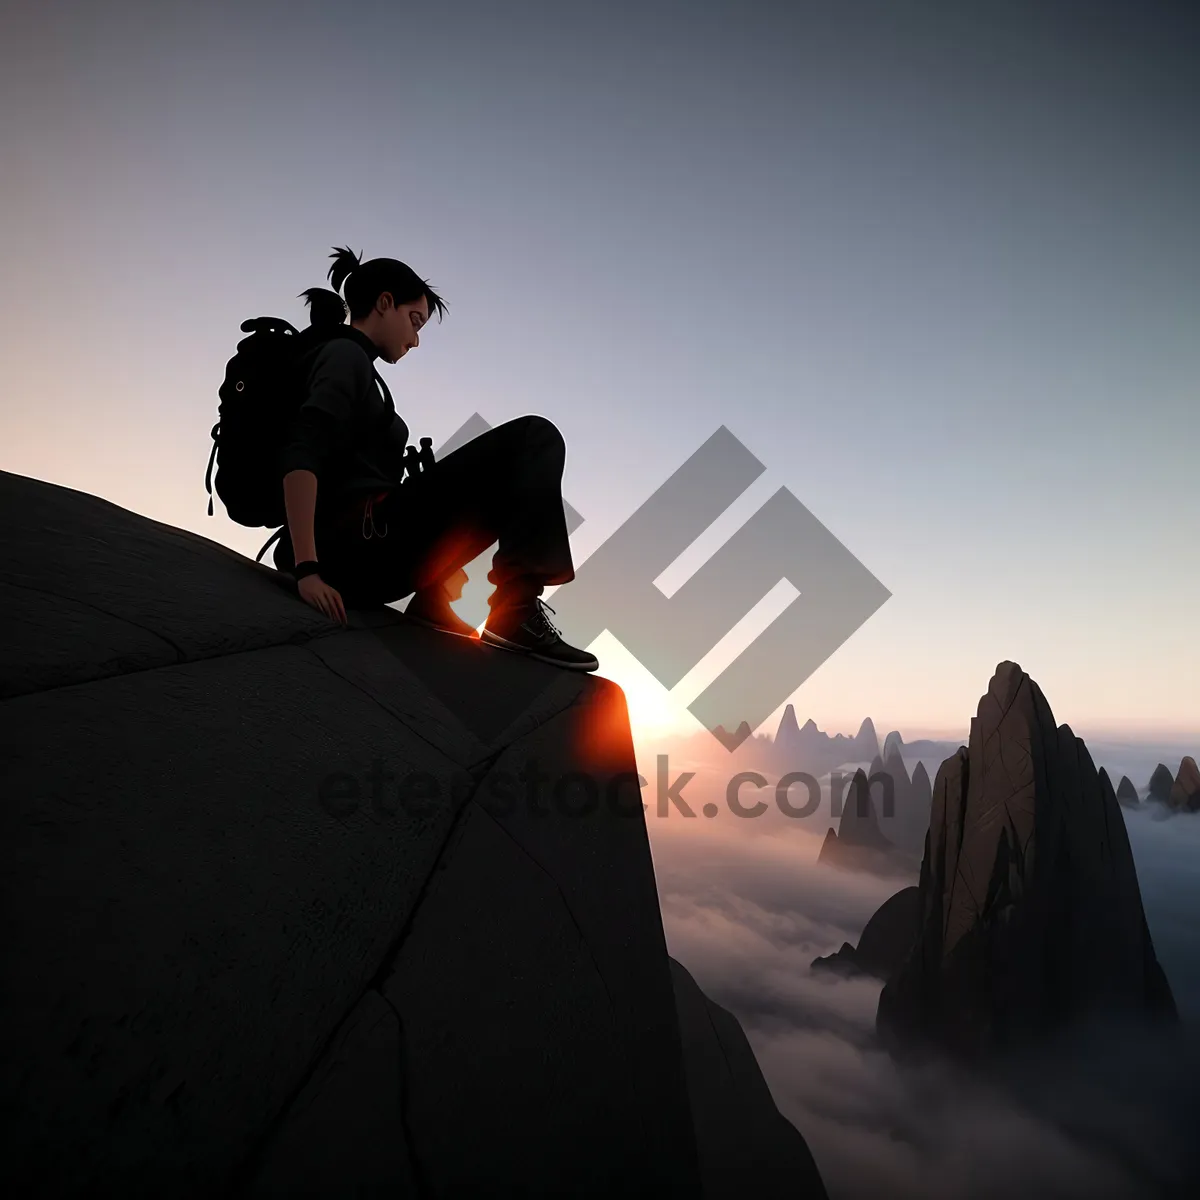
x=360, y=533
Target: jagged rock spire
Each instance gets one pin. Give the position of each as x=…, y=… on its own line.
x=1031, y=911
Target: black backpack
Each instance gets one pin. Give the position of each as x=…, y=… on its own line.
x=259, y=398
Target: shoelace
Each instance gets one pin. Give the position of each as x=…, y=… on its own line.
x=369, y=515
x=539, y=623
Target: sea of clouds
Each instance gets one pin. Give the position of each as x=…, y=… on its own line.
x=747, y=908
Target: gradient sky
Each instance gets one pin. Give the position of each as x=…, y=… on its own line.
x=936, y=264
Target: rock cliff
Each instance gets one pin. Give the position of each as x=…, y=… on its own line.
x=858, y=843
x=886, y=940
x=1184, y=795
x=1127, y=794
x=1161, y=783
x=1031, y=914
x=905, y=821
x=293, y=909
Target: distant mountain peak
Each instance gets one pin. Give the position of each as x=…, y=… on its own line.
x=1161, y=783
x=1127, y=794
x=788, y=727
x=1185, y=790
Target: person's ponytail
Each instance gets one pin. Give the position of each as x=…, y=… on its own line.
x=344, y=261
x=325, y=308
x=362, y=283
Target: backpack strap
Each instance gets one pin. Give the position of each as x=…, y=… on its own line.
x=389, y=405
x=273, y=538
x=208, y=473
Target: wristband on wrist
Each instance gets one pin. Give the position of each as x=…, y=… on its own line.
x=310, y=566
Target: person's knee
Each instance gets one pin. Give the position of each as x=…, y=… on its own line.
x=543, y=432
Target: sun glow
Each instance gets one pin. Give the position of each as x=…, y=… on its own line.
x=652, y=710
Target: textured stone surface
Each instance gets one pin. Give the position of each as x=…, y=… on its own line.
x=245, y=949
x=1031, y=915
x=747, y=1147
x=346, y=1128
x=202, y=924
x=90, y=589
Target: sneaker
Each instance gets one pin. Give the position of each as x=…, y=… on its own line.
x=528, y=630
x=432, y=608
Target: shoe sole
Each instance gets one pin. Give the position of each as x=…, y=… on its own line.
x=473, y=636
x=500, y=643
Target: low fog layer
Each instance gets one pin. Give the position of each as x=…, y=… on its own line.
x=747, y=908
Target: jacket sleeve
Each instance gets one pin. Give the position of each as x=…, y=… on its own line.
x=338, y=386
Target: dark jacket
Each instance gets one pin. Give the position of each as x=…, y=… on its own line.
x=347, y=431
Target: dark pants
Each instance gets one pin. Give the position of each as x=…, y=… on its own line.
x=504, y=486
